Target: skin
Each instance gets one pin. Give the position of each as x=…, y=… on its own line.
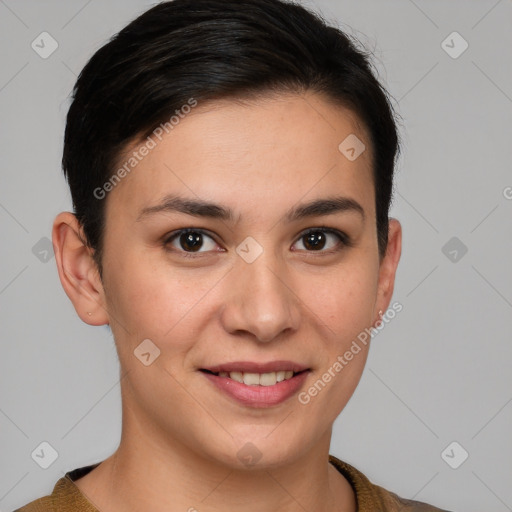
x=180, y=435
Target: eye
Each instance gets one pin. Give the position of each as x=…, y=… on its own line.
x=323, y=240
x=190, y=240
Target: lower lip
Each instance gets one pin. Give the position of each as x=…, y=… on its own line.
x=258, y=396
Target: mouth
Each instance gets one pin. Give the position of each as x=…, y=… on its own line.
x=258, y=385
x=257, y=379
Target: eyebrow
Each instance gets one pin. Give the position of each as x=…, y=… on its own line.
x=201, y=208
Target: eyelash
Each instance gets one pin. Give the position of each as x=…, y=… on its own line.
x=345, y=240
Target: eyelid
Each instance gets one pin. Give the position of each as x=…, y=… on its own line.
x=345, y=240
x=176, y=232
x=168, y=238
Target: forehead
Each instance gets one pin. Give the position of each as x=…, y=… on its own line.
x=272, y=151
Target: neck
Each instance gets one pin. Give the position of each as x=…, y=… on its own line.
x=151, y=474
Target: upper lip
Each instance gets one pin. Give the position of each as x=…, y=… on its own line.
x=252, y=367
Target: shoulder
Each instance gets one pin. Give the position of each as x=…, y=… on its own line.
x=46, y=503
x=371, y=497
x=394, y=503
x=65, y=497
x=43, y=504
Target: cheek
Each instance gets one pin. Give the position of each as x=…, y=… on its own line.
x=343, y=299
x=153, y=301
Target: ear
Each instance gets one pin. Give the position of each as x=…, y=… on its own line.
x=78, y=271
x=388, y=267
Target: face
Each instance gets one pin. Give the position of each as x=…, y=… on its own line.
x=278, y=271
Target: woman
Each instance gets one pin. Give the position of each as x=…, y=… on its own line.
x=231, y=167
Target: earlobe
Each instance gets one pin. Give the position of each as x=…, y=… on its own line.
x=388, y=267
x=77, y=269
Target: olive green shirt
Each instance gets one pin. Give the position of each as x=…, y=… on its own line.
x=66, y=497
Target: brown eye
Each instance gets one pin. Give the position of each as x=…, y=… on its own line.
x=191, y=241
x=315, y=241
x=322, y=240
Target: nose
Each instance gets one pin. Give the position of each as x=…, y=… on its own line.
x=260, y=301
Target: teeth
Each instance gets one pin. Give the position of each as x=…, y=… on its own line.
x=238, y=376
x=258, y=379
x=251, y=379
x=268, y=379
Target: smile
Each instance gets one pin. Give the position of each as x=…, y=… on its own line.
x=258, y=385
x=257, y=379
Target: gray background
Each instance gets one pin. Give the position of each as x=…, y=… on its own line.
x=438, y=373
